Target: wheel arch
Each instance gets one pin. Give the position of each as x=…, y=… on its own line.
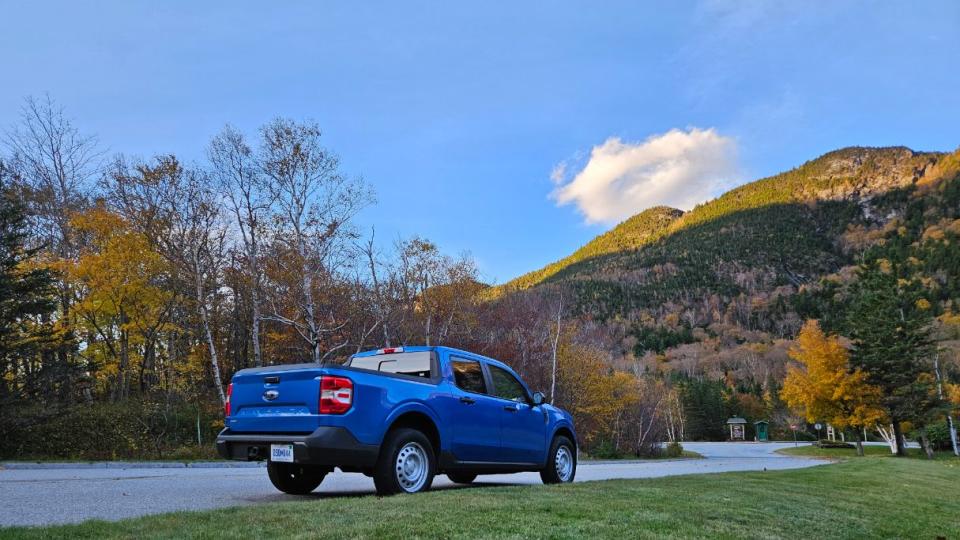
x=416, y=418
x=566, y=431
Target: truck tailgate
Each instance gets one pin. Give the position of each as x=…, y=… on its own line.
x=276, y=399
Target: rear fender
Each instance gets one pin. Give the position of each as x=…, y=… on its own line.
x=416, y=407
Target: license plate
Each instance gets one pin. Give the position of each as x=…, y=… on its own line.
x=281, y=452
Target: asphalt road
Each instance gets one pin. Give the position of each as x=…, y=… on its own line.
x=75, y=493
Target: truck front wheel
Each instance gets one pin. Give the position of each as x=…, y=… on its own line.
x=406, y=463
x=561, y=462
x=295, y=479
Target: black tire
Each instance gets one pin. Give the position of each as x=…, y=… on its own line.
x=462, y=478
x=295, y=479
x=411, y=474
x=551, y=474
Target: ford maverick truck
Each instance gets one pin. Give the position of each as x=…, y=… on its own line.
x=400, y=415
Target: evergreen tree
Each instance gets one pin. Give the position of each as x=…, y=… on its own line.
x=704, y=408
x=890, y=325
x=27, y=297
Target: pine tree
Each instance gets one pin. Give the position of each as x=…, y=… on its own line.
x=27, y=296
x=892, y=343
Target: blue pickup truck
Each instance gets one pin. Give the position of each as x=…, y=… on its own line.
x=400, y=415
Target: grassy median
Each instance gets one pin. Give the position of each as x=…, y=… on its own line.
x=863, y=498
x=869, y=451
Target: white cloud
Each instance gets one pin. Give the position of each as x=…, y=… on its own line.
x=677, y=168
x=559, y=172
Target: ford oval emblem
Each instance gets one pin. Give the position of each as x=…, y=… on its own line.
x=271, y=395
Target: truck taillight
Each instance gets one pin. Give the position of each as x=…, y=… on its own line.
x=336, y=394
x=226, y=405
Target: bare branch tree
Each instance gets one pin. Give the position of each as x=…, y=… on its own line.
x=314, y=206
x=250, y=200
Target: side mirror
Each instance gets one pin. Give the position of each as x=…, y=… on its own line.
x=538, y=398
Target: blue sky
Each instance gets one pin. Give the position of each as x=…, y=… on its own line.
x=474, y=122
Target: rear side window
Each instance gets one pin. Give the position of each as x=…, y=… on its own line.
x=505, y=385
x=415, y=364
x=468, y=376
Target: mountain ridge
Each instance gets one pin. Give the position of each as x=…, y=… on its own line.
x=843, y=175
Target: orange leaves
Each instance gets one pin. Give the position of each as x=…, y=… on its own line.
x=824, y=387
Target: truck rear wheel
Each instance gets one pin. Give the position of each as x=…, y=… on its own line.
x=406, y=463
x=561, y=462
x=293, y=478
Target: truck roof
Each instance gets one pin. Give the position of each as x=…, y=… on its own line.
x=373, y=352
x=419, y=348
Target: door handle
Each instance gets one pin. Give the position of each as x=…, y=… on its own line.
x=510, y=408
x=467, y=400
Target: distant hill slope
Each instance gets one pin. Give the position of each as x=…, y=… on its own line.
x=632, y=234
x=781, y=231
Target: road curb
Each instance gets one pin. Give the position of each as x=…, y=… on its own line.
x=22, y=465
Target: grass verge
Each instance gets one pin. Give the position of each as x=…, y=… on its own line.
x=865, y=498
x=869, y=451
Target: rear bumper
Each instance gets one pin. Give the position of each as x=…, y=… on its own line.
x=328, y=445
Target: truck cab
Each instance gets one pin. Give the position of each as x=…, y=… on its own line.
x=401, y=415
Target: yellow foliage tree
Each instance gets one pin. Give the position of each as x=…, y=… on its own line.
x=597, y=396
x=122, y=305
x=824, y=387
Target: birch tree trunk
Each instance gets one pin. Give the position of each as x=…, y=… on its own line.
x=889, y=437
x=952, y=428
x=556, y=343
x=205, y=320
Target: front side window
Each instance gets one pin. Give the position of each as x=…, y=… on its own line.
x=468, y=376
x=505, y=385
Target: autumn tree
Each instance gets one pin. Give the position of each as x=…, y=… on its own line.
x=122, y=306
x=599, y=398
x=314, y=206
x=824, y=387
x=179, y=212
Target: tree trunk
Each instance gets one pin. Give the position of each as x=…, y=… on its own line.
x=205, y=319
x=953, y=434
x=898, y=437
x=556, y=342
x=925, y=443
x=859, y=441
x=310, y=308
x=952, y=428
x=255, y=300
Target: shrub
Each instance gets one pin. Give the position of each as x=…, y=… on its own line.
x=130, y=430
x=674, y=449
x=605, y=450
x=939, y=435
x=826, y=443
x=805, y=436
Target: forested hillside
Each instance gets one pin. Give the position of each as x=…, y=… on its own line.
x=714, y=299
x=739, y=259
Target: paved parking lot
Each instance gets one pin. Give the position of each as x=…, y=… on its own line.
x=75, y=493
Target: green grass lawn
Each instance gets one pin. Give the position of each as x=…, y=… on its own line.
x=869, y=451
x=864, y=498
